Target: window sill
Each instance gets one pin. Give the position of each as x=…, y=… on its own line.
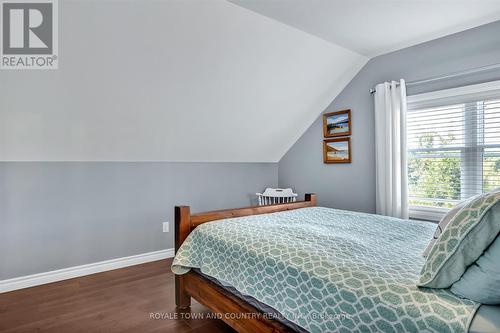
x=427, y=213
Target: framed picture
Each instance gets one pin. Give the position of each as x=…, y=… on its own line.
x=337, y=123
x=337, y=150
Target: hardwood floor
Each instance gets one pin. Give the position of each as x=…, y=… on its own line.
x=115, y=301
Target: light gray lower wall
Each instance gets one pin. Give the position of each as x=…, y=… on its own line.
x=61, y=214
x=352, y=186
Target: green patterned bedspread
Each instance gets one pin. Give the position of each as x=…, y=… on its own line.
x=328, y=270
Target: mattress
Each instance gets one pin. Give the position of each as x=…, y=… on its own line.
x=328, y=270
x=486, y=319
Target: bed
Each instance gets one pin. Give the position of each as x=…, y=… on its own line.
x=299, y=268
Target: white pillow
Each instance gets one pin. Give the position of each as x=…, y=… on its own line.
x=444, y=222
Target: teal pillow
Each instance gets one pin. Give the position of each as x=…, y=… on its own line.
x=444, y=222
x=462, y=242
x=481, y=281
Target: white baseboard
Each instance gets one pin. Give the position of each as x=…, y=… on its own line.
x=76, y=271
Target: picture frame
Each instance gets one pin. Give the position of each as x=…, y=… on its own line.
x=337, y=123
x=337, y=150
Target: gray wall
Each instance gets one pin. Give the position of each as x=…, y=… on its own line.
x=142, y=92
x=352, y=186
x=60, y=214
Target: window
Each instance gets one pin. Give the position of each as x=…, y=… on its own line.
x=453, y=142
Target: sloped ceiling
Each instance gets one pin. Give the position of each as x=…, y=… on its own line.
x=375, y=27
x=170, y=81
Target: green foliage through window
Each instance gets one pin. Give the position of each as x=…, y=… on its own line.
x=434, y=177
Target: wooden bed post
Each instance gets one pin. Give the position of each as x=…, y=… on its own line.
x=311, y=197
x=182, y=230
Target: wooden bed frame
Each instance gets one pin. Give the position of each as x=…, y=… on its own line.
x=208, y=293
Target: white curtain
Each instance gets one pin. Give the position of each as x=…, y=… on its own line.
x=390, y=149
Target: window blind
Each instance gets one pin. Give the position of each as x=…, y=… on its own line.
x=453, y=151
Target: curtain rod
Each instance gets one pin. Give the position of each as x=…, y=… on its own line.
x=451, y=75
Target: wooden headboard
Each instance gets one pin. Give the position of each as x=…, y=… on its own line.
x=185, y=222
x=206, y=292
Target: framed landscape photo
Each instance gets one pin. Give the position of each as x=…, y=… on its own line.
x=337, y=123
x=337, y=150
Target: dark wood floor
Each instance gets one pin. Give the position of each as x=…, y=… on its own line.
x=115, y=301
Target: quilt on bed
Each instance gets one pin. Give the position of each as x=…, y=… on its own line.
x=328, y=270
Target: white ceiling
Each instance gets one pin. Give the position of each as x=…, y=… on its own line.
x=170, y=81
x=375, y=27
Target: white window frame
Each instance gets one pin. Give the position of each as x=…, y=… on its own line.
x=465, y=94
